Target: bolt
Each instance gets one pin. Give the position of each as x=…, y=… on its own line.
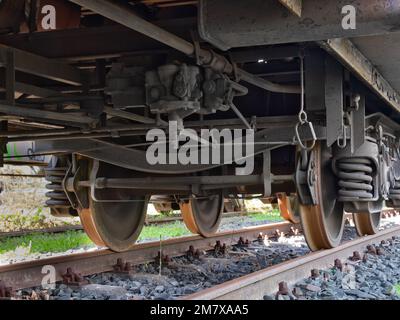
x=283, y=288
x=315, y=273
x=278, y=234
x=5, y=292
x=220, y=249
x=380, y=252
x=356, y=256
x=223, y=249
x=164, y=259
x=293, y=231
x=217, y=246
x=260, y=237
x=190, y=252
x=241, y=241
x=119, y=266
x=338, y=264
x=371, y=250
x=297, y=292
x=365, y=258
x=73, y=278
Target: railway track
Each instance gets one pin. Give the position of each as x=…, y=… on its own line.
x=29, y=274
x=252, y=286
x=266, y=282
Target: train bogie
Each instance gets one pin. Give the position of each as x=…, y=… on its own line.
x=201, y=101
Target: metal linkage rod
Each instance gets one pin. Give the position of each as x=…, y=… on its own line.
x=44, y=114
x=128, y=18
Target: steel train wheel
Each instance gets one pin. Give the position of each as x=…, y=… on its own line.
x=323, y=223
x=114, y=224
x=366, y=223
x=289, y=208
x=203, y=215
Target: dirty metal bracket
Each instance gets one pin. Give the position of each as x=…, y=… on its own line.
x=333, y=100
x=267, y=176
x=353, y=59
x=231, y=24
x=358, y=126
x=315, y=80
x=80, y=193
x=305, y=178
x=43, y=67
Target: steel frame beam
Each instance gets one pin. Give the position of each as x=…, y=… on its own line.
x=44, y=114
x=43, y=67
x=265, y=22
x=355, y=61
x=125, y=16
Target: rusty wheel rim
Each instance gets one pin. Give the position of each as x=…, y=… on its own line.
x=366, y=224
x=289, y=208
x=115, y=223
x=323, y=224
x=89, y=226
x=203, y=215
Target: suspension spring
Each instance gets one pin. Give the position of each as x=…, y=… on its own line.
x=57, y=199
x=356, y=179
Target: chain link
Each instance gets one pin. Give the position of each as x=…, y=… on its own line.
x=303, y=117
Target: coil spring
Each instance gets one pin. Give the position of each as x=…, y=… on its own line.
x=57, y=197
x=356, y=181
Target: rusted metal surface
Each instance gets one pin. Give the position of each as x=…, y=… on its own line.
x=383, y=53
x=254, y=286
x=293, y=5
x=229, y=24
x=213, y=60
x=5, y=291
x=355, y=60
x=29, y=274
x=72, y=278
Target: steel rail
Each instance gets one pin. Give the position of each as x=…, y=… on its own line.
x=254, y=286
x=29, y=274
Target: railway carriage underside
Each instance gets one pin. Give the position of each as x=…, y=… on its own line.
x=313, y=107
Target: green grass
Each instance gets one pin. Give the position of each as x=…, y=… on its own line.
x=60, y=242
x=41, y=243
x=397, y=288
x=176, y=229
x=20, y=221
x=269, y=215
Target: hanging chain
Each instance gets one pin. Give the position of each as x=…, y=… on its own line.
x=303, y=117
